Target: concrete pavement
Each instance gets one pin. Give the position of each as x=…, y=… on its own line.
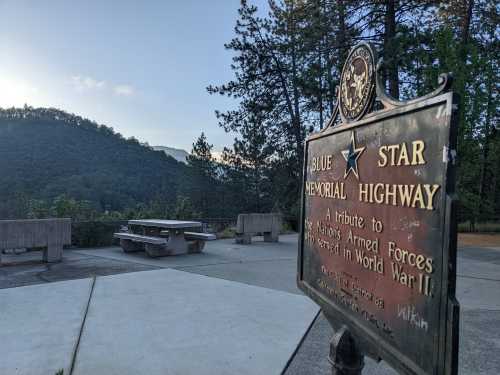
x=172, y=322
x=273, y=266
x=163, y=321
x=39, y=326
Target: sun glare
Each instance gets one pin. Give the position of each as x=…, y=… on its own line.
x=17, y=92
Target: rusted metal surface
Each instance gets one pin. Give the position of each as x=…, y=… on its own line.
x=378, y=239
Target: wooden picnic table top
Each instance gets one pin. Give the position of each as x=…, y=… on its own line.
x=177, y=224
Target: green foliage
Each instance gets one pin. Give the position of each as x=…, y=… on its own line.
x=201, y=159
x=69, y=207
x=228, y=232
x=287, y=66
x=99, y=231
x=203, y=184
x=58, y=164
x=94, y=233
x=184, y=209
x=61, y=206
x=286, y=228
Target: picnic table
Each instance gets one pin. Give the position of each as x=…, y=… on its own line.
x=163, y=237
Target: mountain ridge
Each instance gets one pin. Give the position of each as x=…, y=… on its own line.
x=46, y=152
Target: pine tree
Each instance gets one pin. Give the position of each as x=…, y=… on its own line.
x=287, y=66
x=203, y=184
x=201, y=158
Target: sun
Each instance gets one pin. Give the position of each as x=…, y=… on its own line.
x=16, y=92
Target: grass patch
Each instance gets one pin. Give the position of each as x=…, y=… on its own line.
x=286, y=228
x=229, y=232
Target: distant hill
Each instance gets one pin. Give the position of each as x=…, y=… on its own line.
x=181, y=155
x=45, y=152
x=177, y=153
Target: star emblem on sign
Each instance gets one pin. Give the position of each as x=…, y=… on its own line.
x=351, y=156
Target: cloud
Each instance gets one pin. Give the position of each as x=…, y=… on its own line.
x=124, y=90
x=87, y=83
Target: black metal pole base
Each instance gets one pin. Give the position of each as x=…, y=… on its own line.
x=345, y=357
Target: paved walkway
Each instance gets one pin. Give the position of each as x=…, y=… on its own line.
x=273, y=266
x=153, y=322
x=172, y=322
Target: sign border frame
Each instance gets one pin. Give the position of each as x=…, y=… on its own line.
x=447, y=362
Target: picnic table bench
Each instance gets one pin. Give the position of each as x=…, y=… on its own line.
x=163, y=237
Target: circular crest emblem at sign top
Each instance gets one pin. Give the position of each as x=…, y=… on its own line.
x=357, y=83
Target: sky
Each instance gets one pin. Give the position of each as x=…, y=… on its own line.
x=141, y=67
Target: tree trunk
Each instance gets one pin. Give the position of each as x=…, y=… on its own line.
x=295, y=90
x=342, y=36
x=488, y=135
x=464, y=26
x=390, y=51
x=469, y=5
x=321, y=46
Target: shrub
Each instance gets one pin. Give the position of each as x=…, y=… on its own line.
x=94, y=233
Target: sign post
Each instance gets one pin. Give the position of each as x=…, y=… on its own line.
x=377, y=249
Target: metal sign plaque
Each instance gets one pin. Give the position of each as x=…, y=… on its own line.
x=378, y=241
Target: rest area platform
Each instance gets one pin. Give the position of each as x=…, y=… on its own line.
x=151, y=322
x=39, y=324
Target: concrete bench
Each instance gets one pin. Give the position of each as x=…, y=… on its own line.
x=249, y=225
x=199, y=236
x=131, y=242
x=197, y=240
x=51, y=234
x=160, y=246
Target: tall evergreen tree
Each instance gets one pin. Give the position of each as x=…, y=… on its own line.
x=287, y=66
x=203, y=185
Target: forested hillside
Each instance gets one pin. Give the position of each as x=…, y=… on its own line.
x=46, y=154
x=57, y=164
